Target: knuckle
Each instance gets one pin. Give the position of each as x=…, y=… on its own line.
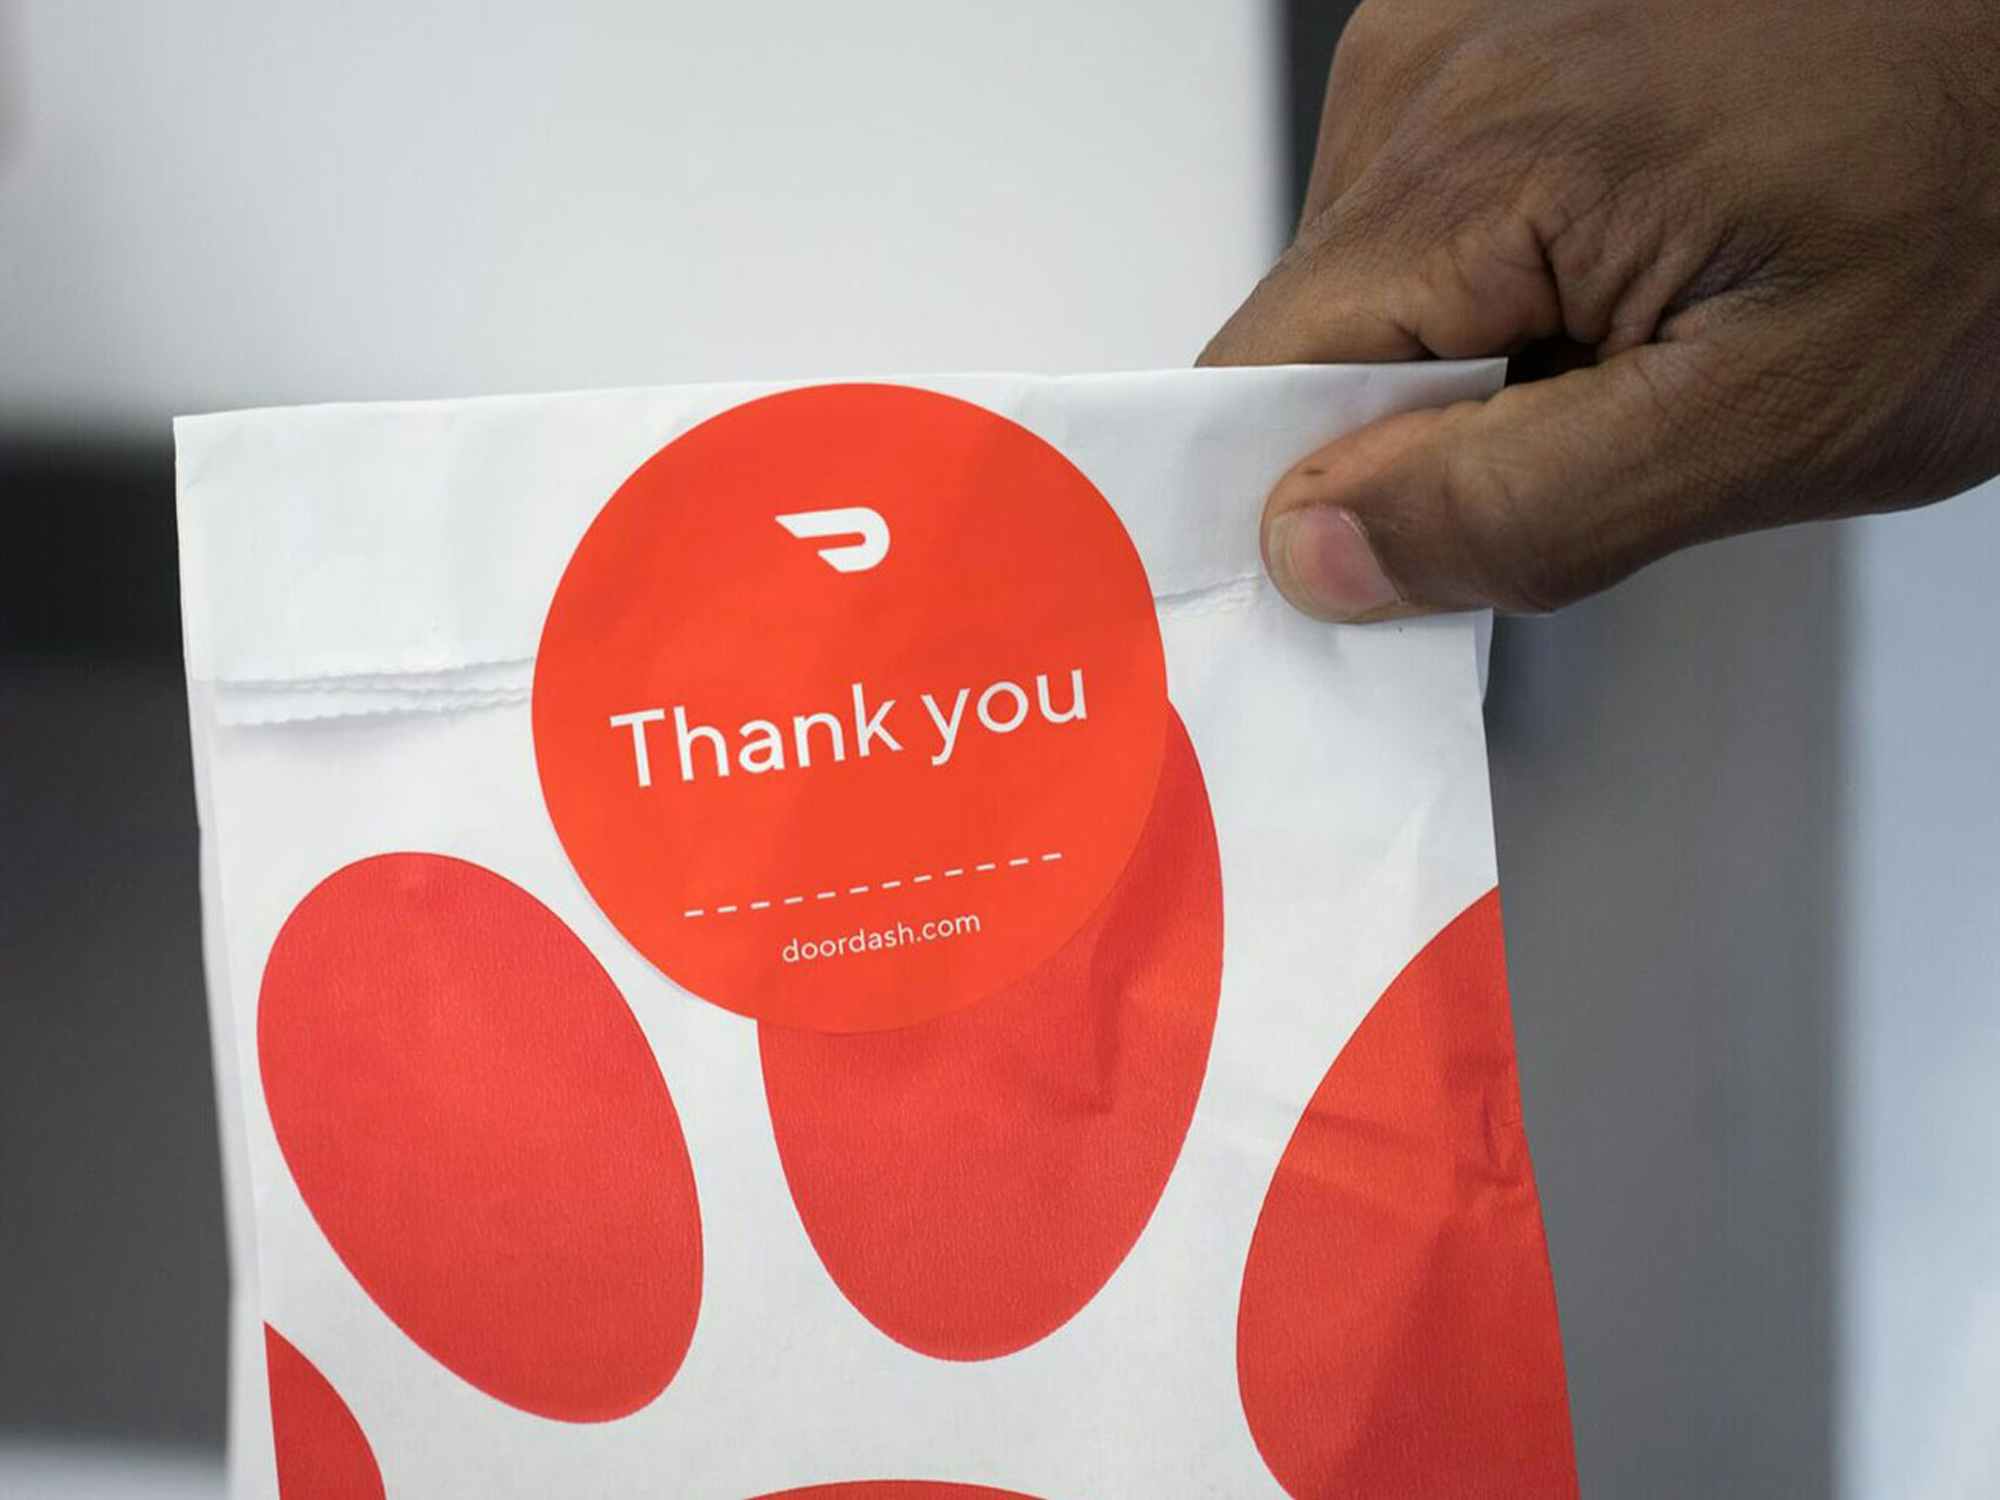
x=1390, y=52
x=1484, y=61
x=1369, y=37
x=1572, y=205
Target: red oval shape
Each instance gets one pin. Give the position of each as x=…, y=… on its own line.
x=971, y=1182
x=480, y=1129
x=1397, y=1332
x=896, y=1489
x=322, y=1452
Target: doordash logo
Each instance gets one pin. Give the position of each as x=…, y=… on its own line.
x=744, y=715
x=852, y=520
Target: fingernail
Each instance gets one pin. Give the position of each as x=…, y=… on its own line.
x=1322, y=561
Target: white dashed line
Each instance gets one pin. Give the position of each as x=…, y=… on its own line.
x=763, y=903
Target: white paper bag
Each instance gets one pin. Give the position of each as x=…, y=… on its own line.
x=840, y=940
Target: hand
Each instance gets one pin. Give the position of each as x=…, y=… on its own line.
x=1761, y=238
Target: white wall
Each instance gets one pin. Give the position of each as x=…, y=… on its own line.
x=221, y=202
x=1920, y=1298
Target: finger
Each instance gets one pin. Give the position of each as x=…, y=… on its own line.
x=1377, y=278
x=1386, y=57
x=1523, y=503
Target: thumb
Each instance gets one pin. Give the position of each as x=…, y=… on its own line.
x=1545, y=493
x=1495, y=504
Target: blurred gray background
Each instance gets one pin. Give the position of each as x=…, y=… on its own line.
x=1749, y=831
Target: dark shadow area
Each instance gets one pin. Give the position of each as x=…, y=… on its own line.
x=89, y=561
x=113, y=1264
x=1666, y=778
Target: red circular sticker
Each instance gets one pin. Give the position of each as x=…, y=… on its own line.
x=851, y=706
